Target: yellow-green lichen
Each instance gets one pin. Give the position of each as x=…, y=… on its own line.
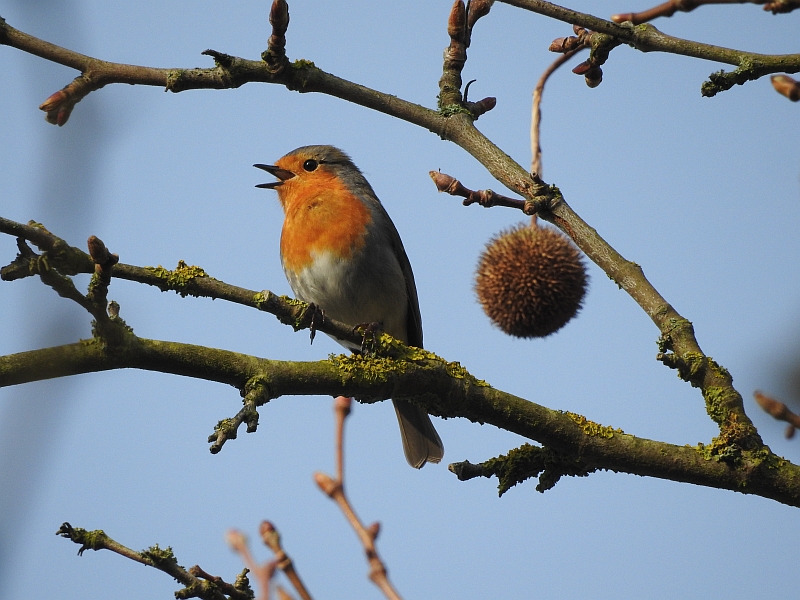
x=366, y=368
x=242, y=583
x=727, y=446
x=160, y=557
x=227, y=427
x=456, y=371
x=692, y=364
x=293, y=301
x=261, y=298
x=718, y=450
x=592, y=428
x=302, y=63
x=299, y=321
x=766, y=458
x=179, y=278
x=399, y=351
x=717, y=369
x=449, y=110
x=173, y=77
x=393, y=357
x=95, y=539
x=673, y=324
x=719, y=400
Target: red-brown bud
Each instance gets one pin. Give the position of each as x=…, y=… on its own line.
x=343, y=404
x=594, y=77
x=326, y=483
x=457, y=20
x=786, y=86
x=621, y=18
x=279, y=15
x=478, y=9
x=236, y=540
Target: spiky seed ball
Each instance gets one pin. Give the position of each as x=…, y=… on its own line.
x=530, y=280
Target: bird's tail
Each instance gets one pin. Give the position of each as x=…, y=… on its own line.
x=421, y=443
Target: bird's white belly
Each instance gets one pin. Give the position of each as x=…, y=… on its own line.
x=352, y=292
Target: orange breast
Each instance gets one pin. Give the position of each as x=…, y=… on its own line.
x=321, y=215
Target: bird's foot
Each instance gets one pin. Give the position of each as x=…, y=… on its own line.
x=316, y=317
x=369, y=336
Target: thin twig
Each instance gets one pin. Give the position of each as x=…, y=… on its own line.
x=334, y=488
x=669, y=8
x=198, y=583
x=237, y=541
x=342, y=407
x=272, y=540
x=486, y=198
x=536, y=111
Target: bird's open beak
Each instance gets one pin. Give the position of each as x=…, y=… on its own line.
x=281, y=174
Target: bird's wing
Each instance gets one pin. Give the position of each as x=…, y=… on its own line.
x=413, y=317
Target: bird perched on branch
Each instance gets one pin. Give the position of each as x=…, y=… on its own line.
x=341, y=252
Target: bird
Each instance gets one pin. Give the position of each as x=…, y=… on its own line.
x=340, y=251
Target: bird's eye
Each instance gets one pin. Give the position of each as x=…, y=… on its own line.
x=310, y=165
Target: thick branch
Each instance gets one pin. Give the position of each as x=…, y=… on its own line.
x=445, y=390
x=680, y=347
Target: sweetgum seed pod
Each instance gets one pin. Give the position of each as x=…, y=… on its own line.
x=530, y=280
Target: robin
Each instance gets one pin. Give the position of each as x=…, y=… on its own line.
x=341, y=252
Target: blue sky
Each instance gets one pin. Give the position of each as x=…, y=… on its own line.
x=703, y=193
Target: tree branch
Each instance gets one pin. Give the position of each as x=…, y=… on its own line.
x=198, y=583
x=647, y=38
x=334, y=489
x=669, y=8
x=185, y=280
x=445, y=389
x=738, y=443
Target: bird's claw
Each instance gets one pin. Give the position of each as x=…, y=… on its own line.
x=369, y=331
x=316, y=317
